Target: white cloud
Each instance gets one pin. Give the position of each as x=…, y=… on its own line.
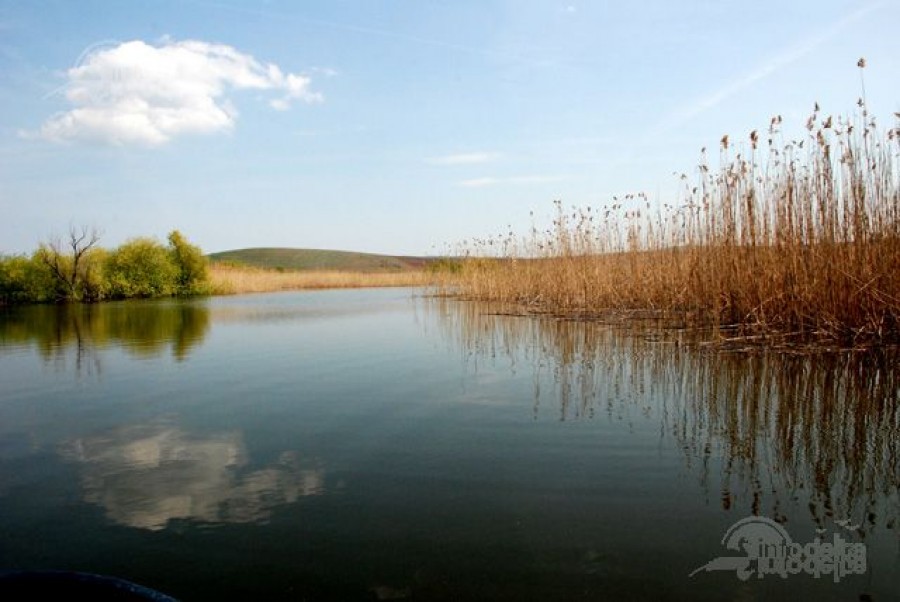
x=465, y=158
x=491, y=181
x=137, y=93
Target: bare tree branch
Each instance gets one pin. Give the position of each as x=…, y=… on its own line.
x=66, y=266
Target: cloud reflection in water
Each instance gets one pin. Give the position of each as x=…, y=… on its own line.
x=147, y=475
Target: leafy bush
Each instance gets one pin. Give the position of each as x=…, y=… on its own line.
x=74, y=269
x=192, y=267
x=25, y=280
x=93, y=285
x=141, y=267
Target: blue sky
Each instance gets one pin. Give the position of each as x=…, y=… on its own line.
x=397, y=127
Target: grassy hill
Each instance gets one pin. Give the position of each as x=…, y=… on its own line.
x=318, y=259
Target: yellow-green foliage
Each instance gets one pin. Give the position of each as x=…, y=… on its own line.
x=799, y=237
x=141, y=267
x=192, y=267
x=24, y=280
x=93, y=285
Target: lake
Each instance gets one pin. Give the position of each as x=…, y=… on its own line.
x=380, y=445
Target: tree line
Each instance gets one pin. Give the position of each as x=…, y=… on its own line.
x=75, y=268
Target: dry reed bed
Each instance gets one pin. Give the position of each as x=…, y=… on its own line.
x=234, y=280
x=798, y=238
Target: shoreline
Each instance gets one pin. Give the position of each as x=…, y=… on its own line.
x=685, y=328
x=229, y=280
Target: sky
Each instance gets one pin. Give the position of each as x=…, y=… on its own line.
x=399, y=127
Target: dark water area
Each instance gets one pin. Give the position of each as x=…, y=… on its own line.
x=378, y=445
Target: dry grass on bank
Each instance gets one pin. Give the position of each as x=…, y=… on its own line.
x=228, y=280
x=798, y=238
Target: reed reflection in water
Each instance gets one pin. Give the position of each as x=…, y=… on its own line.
x=763, y=431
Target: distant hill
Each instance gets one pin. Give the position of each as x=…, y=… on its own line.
x=318, y=259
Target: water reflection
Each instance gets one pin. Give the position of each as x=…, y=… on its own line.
x=762, y=431
x=147, y=475
x=144, y=329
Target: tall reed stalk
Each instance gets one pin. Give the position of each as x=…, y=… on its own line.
x=797, y=238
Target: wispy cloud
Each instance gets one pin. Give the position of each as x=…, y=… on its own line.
x=779, y=61
x=479, y=182
x=143, y=94
x=474, y=158
x=325, y=71
x=494, y=181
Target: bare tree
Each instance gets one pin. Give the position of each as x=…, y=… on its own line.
x=66, y=259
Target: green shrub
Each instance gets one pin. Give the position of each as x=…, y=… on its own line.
x=74, y=269
x=93, y=285
x=192, y=267
x=141, y=268
x=25, y=280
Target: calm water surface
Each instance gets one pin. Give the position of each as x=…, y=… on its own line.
x=370, y=444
